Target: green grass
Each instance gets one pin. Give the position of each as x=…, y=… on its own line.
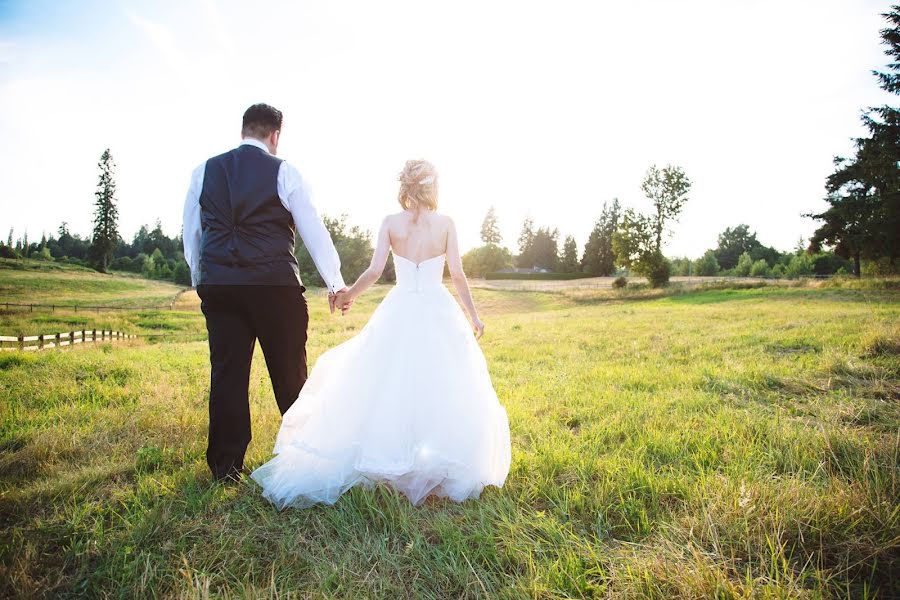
x=712, y=443
x=30, y=281
x=68, y=286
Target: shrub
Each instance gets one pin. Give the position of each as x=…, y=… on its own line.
x=182, y=274
x=619, y=282
x=486, y=259
x=800, y=265
x=707, y=264
x=658, y=269
x=122, y=263
x=744, y=265
x=759, y=269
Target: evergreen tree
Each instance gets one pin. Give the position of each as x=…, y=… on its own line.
x=598, y=256
x=525, y=259
x=863, y=217
x=490, y=232
x=25, y=250
x=545, y=249
x=9, y=240
x=106, y=215
x=569, y=258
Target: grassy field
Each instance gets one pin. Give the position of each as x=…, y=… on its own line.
x=705, y=443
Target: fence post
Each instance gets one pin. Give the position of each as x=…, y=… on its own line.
x=93, y=335
x=71, y=339
x=57, y=341
x=41, y=341
x=21, y=342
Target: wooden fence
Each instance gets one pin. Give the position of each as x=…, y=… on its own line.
x=59, y=340
x=32, y=306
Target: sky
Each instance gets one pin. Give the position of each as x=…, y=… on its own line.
x=541, y=109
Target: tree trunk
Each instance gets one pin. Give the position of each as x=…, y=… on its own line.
x=856, y=269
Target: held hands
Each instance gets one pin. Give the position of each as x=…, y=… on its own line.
x=340, y=299
x=478, y=328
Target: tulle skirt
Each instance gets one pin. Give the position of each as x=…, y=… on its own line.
x=408, y=401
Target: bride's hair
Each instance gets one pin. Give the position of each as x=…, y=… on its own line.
x=418, y=186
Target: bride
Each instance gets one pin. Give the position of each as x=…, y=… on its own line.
x=408, y=401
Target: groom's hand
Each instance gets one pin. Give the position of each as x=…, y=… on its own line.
x=339, y=300
x=342, y=300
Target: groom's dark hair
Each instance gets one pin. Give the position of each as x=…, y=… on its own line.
x=260, y=120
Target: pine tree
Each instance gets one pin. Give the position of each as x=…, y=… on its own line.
x=598, y=258
x=490, y=232
x=569, y=258
x=525, y=259
x=9, y=240
x=863, y=218
x=106, y=215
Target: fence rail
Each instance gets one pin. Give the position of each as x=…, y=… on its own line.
x=31, y=306
x=60, y=340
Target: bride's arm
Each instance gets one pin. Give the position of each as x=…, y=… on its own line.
x=458, y=276
x=376, y=267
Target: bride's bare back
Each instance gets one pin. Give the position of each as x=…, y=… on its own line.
x=418, y=239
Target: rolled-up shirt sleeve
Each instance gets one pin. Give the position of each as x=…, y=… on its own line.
x=296, y=197
x=191, y=224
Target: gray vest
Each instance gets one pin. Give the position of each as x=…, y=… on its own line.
x=247, y=236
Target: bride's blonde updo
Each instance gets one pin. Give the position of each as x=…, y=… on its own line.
x=418, y=186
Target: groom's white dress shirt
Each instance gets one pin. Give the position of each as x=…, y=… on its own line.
x=295, y=196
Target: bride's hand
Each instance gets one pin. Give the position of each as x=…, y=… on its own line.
x=478, y=328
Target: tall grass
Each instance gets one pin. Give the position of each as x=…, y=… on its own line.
x=708, y=444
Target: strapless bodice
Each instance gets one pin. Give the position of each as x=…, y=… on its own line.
x=418, y=277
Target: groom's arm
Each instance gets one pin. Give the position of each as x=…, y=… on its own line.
x=191, y=224
x=296, y=197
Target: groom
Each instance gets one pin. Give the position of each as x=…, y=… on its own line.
x=240, y=215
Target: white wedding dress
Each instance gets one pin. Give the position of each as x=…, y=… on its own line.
x=408, y=401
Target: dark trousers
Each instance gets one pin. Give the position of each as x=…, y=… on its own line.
x=236, y=316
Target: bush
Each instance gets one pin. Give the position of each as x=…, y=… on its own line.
x=7, y=252
x=487, y=259
x=744, y=264
x=182, y=274
x=800, y=265
x=121, y=264
x=658, y=270
x=879, y=268
x=759, y=269
x=707, y=264
x=619, y=282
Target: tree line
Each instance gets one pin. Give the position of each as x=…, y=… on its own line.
x=626, y=242
x=620, y=242
x=154, y=255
